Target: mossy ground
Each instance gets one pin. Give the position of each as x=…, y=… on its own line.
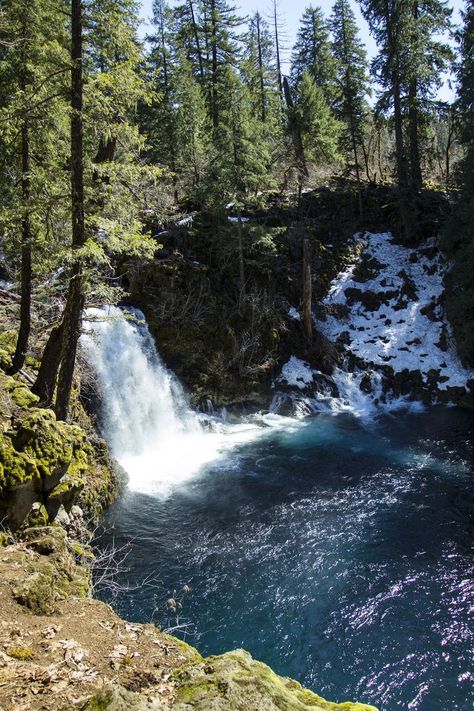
x=79, y=654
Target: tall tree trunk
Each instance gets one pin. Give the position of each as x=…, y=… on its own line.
x=414, y=139
x=307, y=315
x=447, y=155
x=405, y=202
x=214, y=107
x=349, y=101
x=357, y=169
x=46, y=379
x=25, y=307
x=26, y=275
x=75, y=298
x=196, y=39
x=277, y=48
x=260, y=72
x=241, y=260
x=402, y=176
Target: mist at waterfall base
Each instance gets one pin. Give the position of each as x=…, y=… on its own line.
x=334, y=549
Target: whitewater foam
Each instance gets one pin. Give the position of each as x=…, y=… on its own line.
x=146, y=419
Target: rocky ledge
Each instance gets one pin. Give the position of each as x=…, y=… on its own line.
x=61, y=649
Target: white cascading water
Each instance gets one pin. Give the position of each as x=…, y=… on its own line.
x=151, y=430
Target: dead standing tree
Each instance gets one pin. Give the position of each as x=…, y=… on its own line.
x=307, y=315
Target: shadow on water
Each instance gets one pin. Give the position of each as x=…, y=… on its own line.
x=337, y=553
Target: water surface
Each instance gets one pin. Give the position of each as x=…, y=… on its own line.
x=337, y=552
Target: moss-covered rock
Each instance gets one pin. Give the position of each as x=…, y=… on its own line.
x=236, y=682
x=22, y=654
x=44, y=461
x=20, y=393
x=55, y=575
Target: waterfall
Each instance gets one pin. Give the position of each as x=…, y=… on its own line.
x=146, y=418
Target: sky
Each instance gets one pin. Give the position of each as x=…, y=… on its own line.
x=291, y=11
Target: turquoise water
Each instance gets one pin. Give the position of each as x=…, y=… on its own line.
x=339, y=553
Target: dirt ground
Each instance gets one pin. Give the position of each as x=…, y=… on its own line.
x=72, y=654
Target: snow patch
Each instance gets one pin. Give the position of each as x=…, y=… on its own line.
x=404, y=326
x=233, y=218
x=294, y=313
x=296, y=373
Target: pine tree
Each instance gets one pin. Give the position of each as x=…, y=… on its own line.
x=192, y=131
x=458, y=238
x=188, y=37
x=157, y=116
x=75, y=298
x=31, y=81
x=259, y=71
x=427, y=57
x=353, y=82
x=387, y=21
x=107, y=178
x=219, y=23
x=320, y=130
x=312, y=53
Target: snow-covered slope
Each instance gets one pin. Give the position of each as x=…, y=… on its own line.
x=385, y=313
x=387, y=309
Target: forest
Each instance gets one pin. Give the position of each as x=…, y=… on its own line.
x=105, y=139
x=236, y=356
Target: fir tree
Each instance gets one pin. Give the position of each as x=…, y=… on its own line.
x=426, y=58
x=458, y=238
x=219, y=23
x=32, y=87
x=352, y=77
x=319, y=128
x=312, y=53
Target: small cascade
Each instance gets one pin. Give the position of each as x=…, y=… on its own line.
x=361, y=393
x=146, y=419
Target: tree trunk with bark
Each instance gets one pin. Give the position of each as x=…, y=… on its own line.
x=75, y=298
x=46, y=379
x=241, y=260
x=26, y=272
x=307, y=313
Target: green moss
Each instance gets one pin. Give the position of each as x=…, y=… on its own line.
x=191, y=654
x=5, y=539
x=38, y=515
x=99, y=702
x=235, y=680
x=20, y=393
x=53, y=577
x=16, y=468
x=23, y=654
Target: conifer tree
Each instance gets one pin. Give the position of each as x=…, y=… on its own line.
x=352, y=77
x=192, y=131
x=426, y=57
x=107, y=177
x=188, y=36
x=320, y=130
x=219, y=23
x=259, y=69
x=31, y=81
x=312, y=53
x=458, y=238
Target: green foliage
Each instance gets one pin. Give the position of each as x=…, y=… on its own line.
x=21, y=654
x=352, y=75
x=319, y=128
x=458, y=237
x=312, y=53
